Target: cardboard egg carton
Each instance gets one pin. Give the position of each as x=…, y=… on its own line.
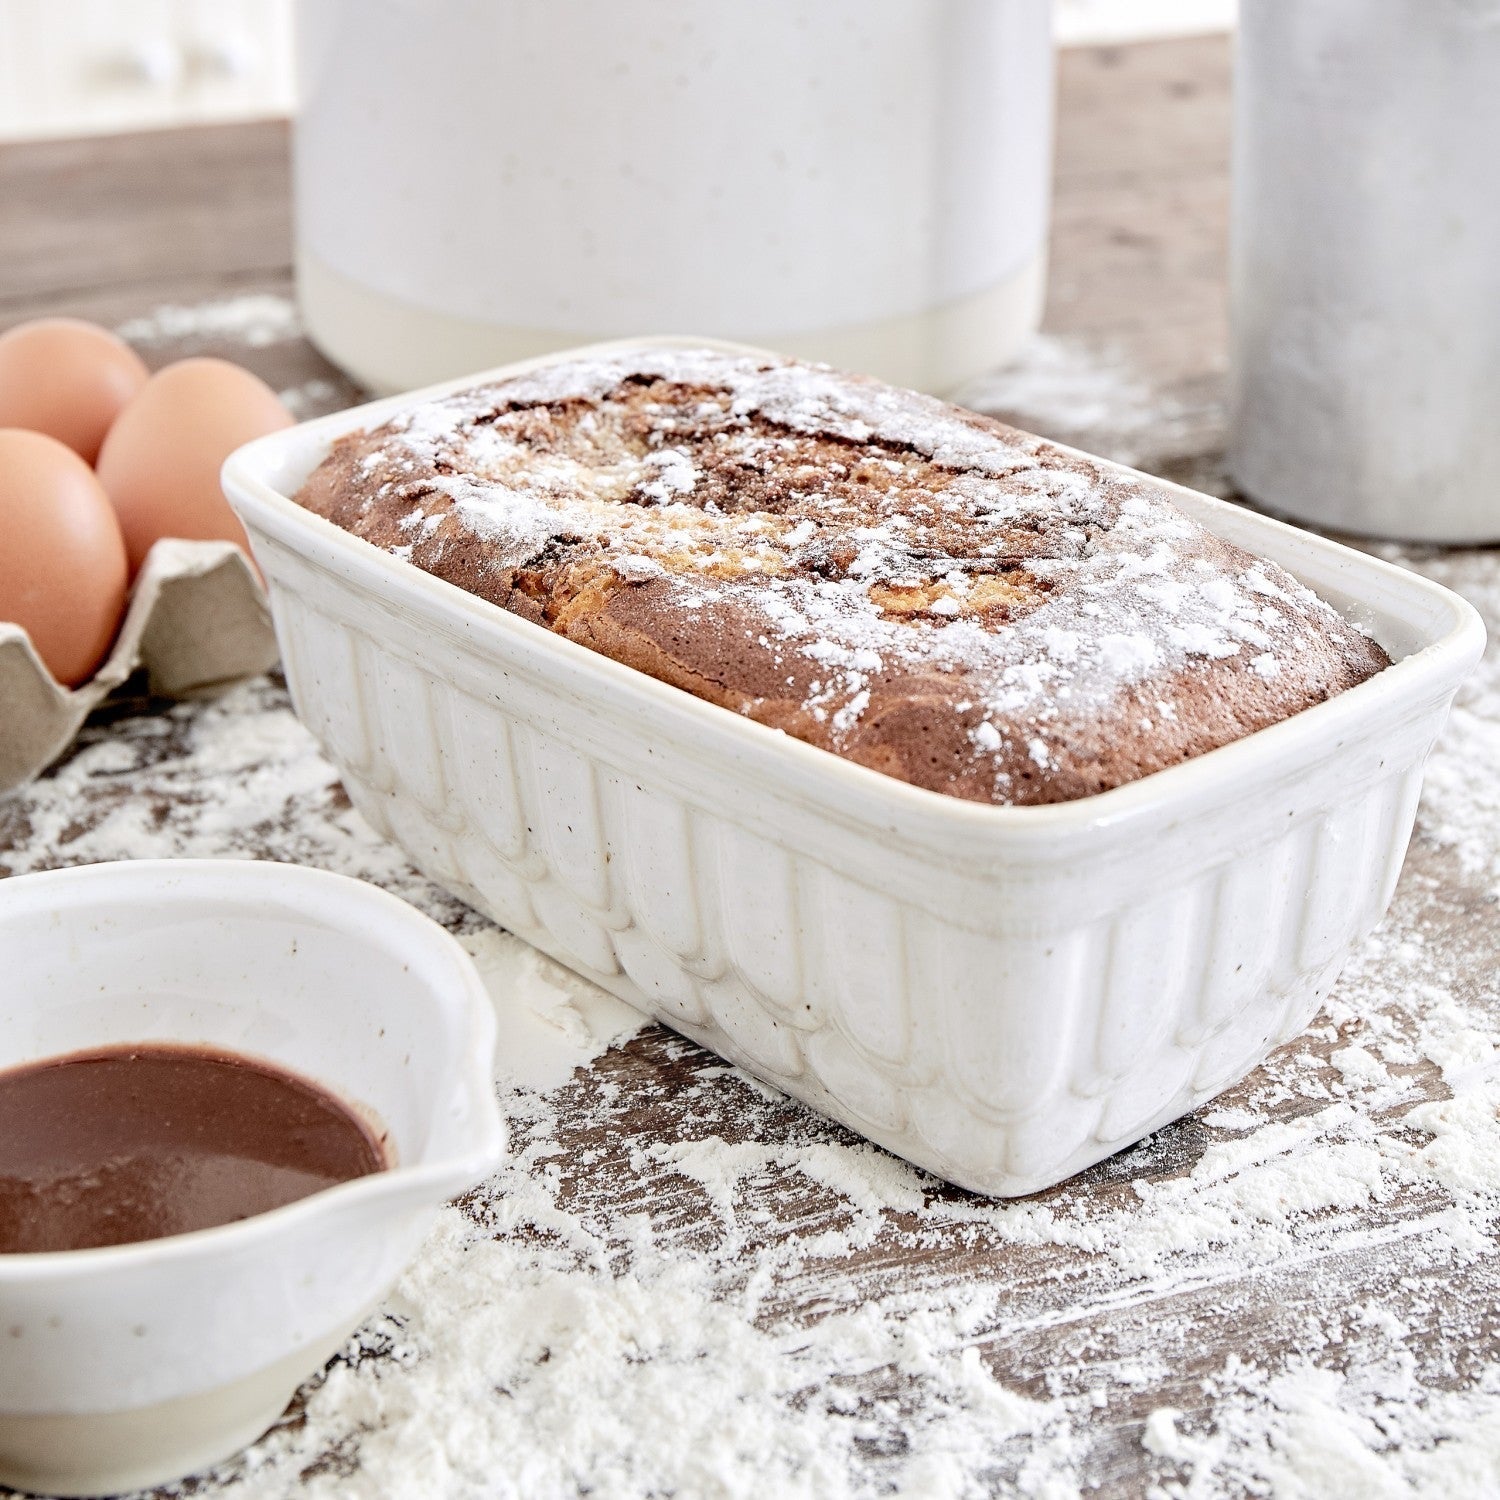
x=197, y=621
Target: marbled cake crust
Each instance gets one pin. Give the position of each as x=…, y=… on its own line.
x=899, y=581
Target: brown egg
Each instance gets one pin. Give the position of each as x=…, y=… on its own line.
x=160, y=463
x=68, y=379
x=63, y=574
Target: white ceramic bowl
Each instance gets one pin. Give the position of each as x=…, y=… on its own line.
x=1002, y=995
x=134, y=1364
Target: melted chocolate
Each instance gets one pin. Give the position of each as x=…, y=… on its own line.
x=129, y=1143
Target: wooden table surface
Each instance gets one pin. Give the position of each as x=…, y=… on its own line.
x=1290, y=1292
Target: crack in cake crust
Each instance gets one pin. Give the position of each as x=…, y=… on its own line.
x=912, y=586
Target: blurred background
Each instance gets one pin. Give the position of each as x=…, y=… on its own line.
x=82, y=67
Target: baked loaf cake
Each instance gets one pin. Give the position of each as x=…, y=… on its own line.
x=907, y=584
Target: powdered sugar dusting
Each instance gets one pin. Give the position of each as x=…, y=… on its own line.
x=900, y=541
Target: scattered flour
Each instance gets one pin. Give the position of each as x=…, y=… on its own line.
x=733, y=1297
x=312, y=398
x=1067, y=389
x=551, y=1021
x=254, y=320
x=1461, y=793
x=1161, y=1435
x=739, y=1298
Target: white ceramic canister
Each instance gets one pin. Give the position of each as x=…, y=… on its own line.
x=860, y=181
x=1365, y=265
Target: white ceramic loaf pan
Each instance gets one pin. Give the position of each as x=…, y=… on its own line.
x=1001, y=995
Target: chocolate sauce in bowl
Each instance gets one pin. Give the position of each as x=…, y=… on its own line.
x=137, y=1142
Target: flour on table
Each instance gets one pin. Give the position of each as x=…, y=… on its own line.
x=550, y=1022
x=544, y=1345
x=1461, y=791
x=1066, y=388
x=251, y=321
x=313, y=398
x=739, y=1298
x=254, y=319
